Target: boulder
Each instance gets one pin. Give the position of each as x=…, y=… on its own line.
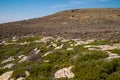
x=65, y=73
x=6, y=75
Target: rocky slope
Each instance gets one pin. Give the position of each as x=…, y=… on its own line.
x=81, y=44
x=78, y=23
x=50, y=58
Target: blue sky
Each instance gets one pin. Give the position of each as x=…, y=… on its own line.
x=14, y=10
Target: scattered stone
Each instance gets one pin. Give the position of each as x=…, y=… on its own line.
x=14, y=39
x=109, y=47
x=80, y=42
x=9, y=66
x=59, y=47
x=46, y=39
x=21, y=78
x=46, y=60
x=27, y=74
x=65, y=73
x=8, y=43
x=24, y=43
x=71, y=45
x=37, y=41
x=69, y=49
x=64, y=40
x=47, y=54
x=92, y=49
x=112, y=56
x=6, y=75
x=24, y=78
x=3, y=42
x=21, y=56
x=104, y=47
x=54, y=45
x=36, y=51
x=24, y=58
x=8, y=60
x=59, y=38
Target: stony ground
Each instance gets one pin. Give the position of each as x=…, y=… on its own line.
x=57, y=58
x=77, y=23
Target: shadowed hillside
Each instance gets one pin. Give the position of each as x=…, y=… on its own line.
x=78, y=23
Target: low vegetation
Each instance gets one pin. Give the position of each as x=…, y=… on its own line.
x=88, y=64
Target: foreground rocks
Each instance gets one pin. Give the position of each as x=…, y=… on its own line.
x=6, y=75
x=65, y=73
x=49, y=53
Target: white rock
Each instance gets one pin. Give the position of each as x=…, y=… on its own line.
x=37, y=41
x=72, y=45
x=14, y=39
x=64, y=40
x=88, y=46
x=104, y=47
x=64, y=73
x=47, y=54
x=7, y=60
x=59, y=47
x=80, y=42
x=25, y=58
x=46, y=60
x=36, y=51
x=9, y=43
x=92, y=49
x=21, y=56
x=54, y=45
x=24, y=43
x=89, y=41
x=6, y=75
x=9, y=66
x=21, y=78
x=46, y=39
x=3, y=42
x=27, y=73
x=59, y=38
x=69, y=48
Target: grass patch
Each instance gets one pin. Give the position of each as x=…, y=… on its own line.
x=29, y=39
x=117, y=51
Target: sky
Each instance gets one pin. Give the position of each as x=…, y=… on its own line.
x=15, y=10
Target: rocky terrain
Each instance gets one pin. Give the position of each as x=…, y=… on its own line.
x=80, y=44
x=78, y=23
x=58, y=58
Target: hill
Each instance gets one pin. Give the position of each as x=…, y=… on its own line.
x=82, y=44
x=78, y=23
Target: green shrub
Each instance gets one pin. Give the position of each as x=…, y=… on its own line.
x=100, y=42
x=18, y=73
x=29, y=39
x=92, y=55
x=41, y=71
